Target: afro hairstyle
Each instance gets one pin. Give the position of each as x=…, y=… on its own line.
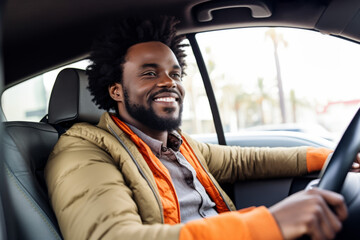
x=108, y=52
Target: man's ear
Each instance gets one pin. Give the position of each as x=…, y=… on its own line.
x=116, y=92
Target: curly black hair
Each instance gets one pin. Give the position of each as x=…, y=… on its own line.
x=108, y=52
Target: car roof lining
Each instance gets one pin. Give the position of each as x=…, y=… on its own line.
x=68, y=30
x=337, y=16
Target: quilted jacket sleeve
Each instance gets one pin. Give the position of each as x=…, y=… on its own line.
x=229, y=164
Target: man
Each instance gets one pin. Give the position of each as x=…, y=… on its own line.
x=137, y=176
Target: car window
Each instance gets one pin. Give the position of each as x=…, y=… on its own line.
x=28, y=100
x=197, y=117
x=282, y=79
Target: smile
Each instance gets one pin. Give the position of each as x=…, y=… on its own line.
x=165, y=99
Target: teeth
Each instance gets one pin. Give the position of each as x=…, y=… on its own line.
x=165, y=99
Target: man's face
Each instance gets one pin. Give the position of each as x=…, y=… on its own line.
x=152, y=88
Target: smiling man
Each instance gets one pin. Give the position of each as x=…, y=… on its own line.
x=137, y=176
x=151, y=95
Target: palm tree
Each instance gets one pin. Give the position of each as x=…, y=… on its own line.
x=293, y=104
x=277, y=39
x=263, y=95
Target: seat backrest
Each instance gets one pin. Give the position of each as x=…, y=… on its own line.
x=27, y=146
x=2, y=219
x=26, y=207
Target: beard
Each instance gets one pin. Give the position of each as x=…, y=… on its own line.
x=148, y=116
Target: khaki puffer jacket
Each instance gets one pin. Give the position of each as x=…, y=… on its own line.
x=101, y=187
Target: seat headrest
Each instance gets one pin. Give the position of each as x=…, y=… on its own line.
x=70, y=99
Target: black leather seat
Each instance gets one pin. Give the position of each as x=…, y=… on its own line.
x=27, y=146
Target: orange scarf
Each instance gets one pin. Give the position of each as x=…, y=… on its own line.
x=162, y=176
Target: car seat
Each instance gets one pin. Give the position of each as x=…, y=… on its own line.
x=26, y=147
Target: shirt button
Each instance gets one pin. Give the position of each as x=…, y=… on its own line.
x=189, y=180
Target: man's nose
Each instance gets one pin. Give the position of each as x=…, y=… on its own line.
x=166, y=81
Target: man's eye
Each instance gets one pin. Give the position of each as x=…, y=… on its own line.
x=152, y=74
x=176, y=75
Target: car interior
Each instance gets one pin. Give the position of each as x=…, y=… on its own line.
x=67, y=33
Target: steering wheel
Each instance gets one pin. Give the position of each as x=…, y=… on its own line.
x=334, y=173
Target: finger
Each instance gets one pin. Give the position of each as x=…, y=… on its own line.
x=356, y=170
x=329, y=221
x=313, y=230
x=357, y=158
x=355, y=165
x=337, y=203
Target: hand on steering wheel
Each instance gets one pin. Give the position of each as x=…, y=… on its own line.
x=318, y=213
x=356, y=164
x=336, y=169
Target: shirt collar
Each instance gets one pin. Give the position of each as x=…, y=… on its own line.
x=156, y=146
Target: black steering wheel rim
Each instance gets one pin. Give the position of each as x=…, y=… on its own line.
x=336, y=168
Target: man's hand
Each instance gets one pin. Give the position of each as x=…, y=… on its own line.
x=308, y=212
x=356, y=164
